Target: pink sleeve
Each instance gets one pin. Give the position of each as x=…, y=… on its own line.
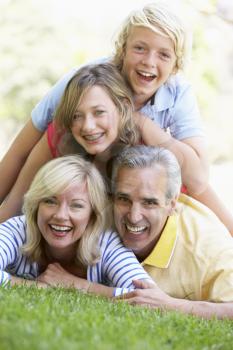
x=53, y=139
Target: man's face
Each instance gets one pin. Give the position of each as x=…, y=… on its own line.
x=140, y=208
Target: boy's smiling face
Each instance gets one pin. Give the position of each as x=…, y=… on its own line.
x=148, y=61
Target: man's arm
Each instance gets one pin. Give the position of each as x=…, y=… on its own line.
x=13, y=203
x=153, y=297
x=14, y=159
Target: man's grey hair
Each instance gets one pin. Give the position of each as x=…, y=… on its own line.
x=140, y=157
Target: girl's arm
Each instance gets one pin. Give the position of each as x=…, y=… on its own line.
x=14, y=159
x=13, y=203
x=190, y=153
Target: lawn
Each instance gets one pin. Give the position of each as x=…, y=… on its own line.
x=59, y=319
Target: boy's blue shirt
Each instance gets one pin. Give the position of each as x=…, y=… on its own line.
x=173, y=107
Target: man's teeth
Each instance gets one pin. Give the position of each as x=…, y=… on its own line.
x=61, y=228
x=93, y=137
x=135, y=229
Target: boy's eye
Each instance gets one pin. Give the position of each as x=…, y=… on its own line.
x=165, y=56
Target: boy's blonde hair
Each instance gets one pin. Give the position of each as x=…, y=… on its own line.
x=52, y=179
x=161, y=20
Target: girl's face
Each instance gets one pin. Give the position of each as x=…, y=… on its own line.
x=149, y=60
x=62, y=219
x=96, y=121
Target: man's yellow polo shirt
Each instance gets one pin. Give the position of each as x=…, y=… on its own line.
x=193, y=258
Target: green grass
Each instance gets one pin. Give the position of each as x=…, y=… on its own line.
x=59, y=319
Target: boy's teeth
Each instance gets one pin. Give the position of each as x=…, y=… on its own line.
x=147, y=75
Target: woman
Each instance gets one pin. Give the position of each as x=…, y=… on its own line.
x=63, y=239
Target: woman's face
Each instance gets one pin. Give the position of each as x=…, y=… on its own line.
x=96, y=121
x=62, y=219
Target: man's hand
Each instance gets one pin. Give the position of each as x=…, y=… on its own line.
x=147, y=294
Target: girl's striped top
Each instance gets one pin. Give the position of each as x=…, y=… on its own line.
x=117, y=266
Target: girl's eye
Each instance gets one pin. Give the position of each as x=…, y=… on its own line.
x=99, y=112
x=77, y=117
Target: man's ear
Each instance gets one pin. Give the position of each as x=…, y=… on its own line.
x=173, y=205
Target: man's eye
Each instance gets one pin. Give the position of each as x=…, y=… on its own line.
x=150, y=203
x=121, y=199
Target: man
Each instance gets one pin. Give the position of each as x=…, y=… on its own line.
x=180, y=242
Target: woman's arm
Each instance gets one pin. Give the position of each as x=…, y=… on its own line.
x=16, y=156
x=13, y=203
x=190, y=153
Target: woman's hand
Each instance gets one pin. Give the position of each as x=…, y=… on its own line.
x=55, y=275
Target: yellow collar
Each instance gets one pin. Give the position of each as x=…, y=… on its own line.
x=163, y=251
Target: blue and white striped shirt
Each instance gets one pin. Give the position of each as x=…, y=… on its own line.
x=117, y=266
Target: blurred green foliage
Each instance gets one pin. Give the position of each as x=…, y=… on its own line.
x=38, y=44
x=34, y=53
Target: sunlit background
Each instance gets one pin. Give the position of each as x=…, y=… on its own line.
x=40, y=40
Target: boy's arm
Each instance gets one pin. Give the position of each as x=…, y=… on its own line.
x=39, y=155
x=16, y=156
x=190, y=153
x=213, y=202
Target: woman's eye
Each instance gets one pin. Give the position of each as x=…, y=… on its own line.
x=139, y=48
x=76, y=206
x=49, y=201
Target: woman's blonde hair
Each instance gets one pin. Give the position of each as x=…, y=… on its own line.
x=160, y=19
x=107, y=76
x=52, y=179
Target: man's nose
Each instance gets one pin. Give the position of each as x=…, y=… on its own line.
x=135, y=214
